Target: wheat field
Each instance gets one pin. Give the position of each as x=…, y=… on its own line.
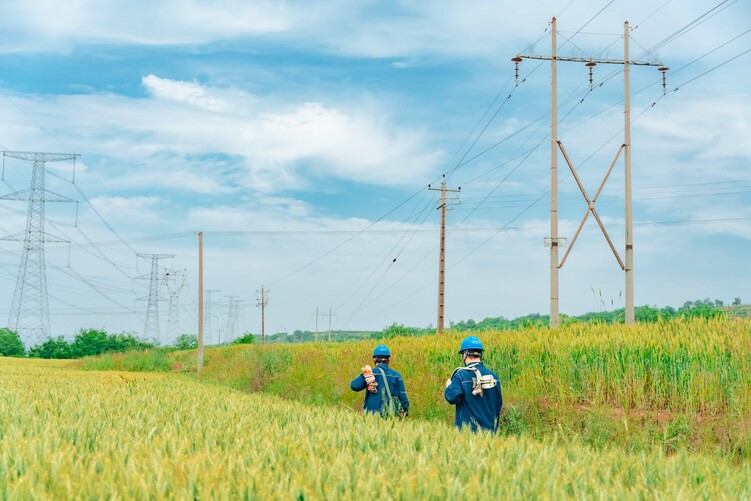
x=69, y=434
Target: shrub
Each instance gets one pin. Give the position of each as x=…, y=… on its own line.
x=52, y=348
x=246, y=338
x=11, y=344
x=186, y=342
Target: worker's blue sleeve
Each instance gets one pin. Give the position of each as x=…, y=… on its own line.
x=402, y=393
x=359, y=383
x=454, y=394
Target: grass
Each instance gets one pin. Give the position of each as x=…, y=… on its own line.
x=70, y=434
x=156, y=360
x=679, y=384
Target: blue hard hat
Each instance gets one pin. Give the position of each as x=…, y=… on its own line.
x=471, y=343
x=381, y=351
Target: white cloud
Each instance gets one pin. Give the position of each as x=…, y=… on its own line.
x=164, y=140
x=482, y=28
x=55, y=26
x=188, y=92
x=708, y=129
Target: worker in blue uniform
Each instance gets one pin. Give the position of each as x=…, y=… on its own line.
x=475, y=390
x=377, y=394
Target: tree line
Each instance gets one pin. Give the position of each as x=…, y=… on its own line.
x=91, y=342
x=701, y=308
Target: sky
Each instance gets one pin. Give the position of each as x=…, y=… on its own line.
x=301, y=137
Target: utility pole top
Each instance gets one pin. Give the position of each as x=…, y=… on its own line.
x=597, y=60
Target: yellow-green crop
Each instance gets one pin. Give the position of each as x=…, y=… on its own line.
x=682, y=384
x=67, y=434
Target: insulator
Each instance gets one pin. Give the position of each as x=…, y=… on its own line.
x=663, y=70
x=516, y=61
x=590, y=65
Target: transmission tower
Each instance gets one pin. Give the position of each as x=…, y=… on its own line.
x=151, y=326
x=29, y=312
x=232, y=318
x=207, y=317
x=174, y=281
x=263, y=301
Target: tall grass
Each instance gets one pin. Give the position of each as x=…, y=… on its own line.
x=682, y=383
x=77, y=435
x=155, y=360
x=697, y=365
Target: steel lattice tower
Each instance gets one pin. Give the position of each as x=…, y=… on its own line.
x=207, y=327
x=232, y=318
x=174, y=281
x=29, y=312
x=151, y=326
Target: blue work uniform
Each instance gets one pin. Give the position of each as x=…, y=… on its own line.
x=374, y=401
x=473, y=410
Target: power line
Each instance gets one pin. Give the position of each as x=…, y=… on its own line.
x=99, y=215
x=690, y=26
x=652, y=14
x=539, y=198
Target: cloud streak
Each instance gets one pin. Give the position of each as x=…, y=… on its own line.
x=188, y=135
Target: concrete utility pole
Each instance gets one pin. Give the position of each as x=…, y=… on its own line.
x=329, y=314
x=442, y=253
x=556, y=145
x=329, y=339
x=554, y=303
x=627, y=179
x=262, y=302
x=199, y=362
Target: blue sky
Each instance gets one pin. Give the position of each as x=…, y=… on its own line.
x=302, y=123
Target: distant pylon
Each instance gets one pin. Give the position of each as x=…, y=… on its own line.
x=174, y=281
x=232, y=319
x=207, y=327
x=29, y=312
x=263, y=301
x=151, y=326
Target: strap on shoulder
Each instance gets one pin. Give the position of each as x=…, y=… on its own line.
x=385, y=382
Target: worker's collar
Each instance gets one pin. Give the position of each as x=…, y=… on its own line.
x=385, y=364
x=474, y=364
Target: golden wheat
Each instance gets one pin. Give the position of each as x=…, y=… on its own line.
x=81, y=435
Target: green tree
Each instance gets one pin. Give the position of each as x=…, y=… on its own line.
x=646, y=314
x=247, y=338
x=11, y=344
x=89, y=342
x=395, y=330
x=124, y=341
x=737, y=301
x=52, y=348
x=186, y=342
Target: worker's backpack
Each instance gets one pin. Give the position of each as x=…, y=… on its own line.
x=479, y=382
x=392, y=406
